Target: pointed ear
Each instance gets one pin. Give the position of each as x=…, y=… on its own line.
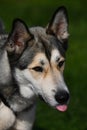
x=59, y=26
x=18, y=37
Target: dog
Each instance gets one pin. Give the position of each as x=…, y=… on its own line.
x=32, y=62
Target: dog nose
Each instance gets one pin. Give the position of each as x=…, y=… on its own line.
x=62, y=97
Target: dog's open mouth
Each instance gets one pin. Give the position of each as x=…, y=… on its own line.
x=62, y=108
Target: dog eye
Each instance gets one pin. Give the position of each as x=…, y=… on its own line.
x=61, y=63
x=38, y=69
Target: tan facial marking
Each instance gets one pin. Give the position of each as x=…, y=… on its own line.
x=39, y=60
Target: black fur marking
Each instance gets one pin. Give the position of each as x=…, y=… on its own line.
x=3, y=99
x=47, y=48
x=26, y=58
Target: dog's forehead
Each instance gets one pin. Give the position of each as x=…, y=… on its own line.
x=39, y=59
x=42, y=60
x=47, y=42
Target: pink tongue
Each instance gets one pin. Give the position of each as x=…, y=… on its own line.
x=61, y=108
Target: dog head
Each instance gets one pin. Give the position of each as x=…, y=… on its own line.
x=38, y=57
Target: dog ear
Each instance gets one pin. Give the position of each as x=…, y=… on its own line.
x=59, y=26
x=18, y=37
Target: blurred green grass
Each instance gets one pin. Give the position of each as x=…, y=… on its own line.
x=37, y=12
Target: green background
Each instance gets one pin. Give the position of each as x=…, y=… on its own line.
x=39, y=12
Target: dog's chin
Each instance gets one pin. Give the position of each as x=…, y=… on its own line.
x=59, y=107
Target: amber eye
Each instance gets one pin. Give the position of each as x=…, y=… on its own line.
x=38, y=69
x=61, y=63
